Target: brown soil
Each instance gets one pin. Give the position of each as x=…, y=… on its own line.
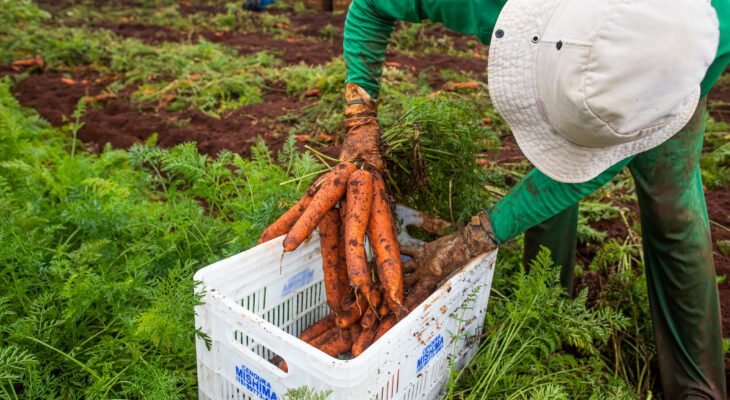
x=431, y=65
x=718, y=204
x=510, y=152
x=461, y=42
x=719, y=100
x=147, y=33
x=186, y=8
x=292, y=51
x=311, y=23
x=594, y=282
x=52, y=98
x=122, y=123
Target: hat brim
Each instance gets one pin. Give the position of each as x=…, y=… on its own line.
x=514, y=93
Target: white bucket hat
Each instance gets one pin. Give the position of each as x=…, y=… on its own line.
x=585, y=84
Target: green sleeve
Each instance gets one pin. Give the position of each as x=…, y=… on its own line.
x=538, y=197
x=722, y=7
x=370, y=23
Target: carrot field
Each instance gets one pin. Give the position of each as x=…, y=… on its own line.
x=143, y=140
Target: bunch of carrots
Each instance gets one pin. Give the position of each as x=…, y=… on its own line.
x=346, y=205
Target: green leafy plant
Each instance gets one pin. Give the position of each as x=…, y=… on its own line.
x=432, y=150
x=306, y=393
x=96, y=288
x=539, y=343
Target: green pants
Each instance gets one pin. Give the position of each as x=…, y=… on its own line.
x=680, y=269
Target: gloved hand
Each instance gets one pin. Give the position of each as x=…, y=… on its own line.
x=436, y=260
x=362, y=139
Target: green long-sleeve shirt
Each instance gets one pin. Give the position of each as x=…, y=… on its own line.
x=370, y=22
x=368, y=28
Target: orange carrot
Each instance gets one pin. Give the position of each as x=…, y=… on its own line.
x=342, y=277
x=359, y=201
x=369, y=318
x=329, y=244
x=280, y=363
x=381, y=231
x=351, y=313
x=385, y=325
x=355, y=331
x=332, y=189
x=334, y=342
x=366, y=338
x=286, y=221
x=383, y=310
x=318, y=328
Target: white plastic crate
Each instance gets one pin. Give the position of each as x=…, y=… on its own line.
x=257, y=303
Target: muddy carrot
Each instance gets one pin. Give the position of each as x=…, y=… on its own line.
x=381, y=231
x=383, y=310
x=385, y=325
x=282, y=225
x=352, y=313
x=366, y=338
x=280, y=363
x=369, y=318
x=325, y=336
x=331, y=190
x=329, y=236
x=318, y=328
x=342, y=277
x=359, y=201
x=355, y=331
x=334, y=342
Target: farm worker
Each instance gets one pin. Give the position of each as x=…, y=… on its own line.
x=588, y=87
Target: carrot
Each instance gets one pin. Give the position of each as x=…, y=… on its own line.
x=369, y=318
x=385, y=325
x=329, y=244
x=383, y=310
x=286, y=221
x=318, y=328
x=342, y=277
x=280, y=363
x=332, y=189
x=325, y=336
x=381, y=231
x=351, y=313
x=359, y=201
x=334, y=342
x=366, y=338
x=355, y=331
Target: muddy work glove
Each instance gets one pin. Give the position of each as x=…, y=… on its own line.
x=362, y=139
x=436, y=260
